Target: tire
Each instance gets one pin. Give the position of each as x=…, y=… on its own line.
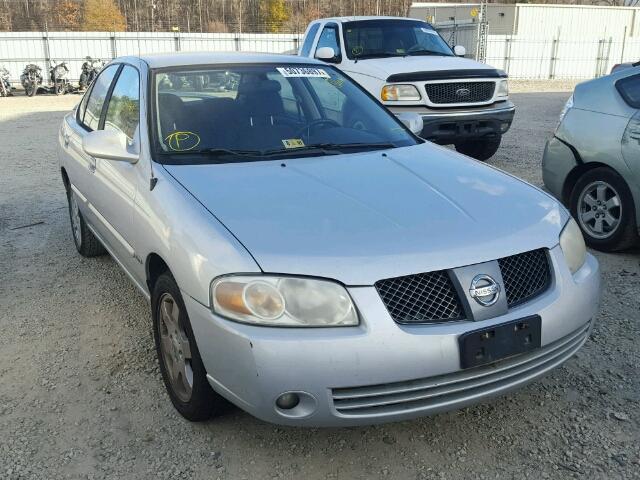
x=59, y=88
x=183, y=372
x=86, y=242
x=481, y=149
x=32, y=89
x=604, y=186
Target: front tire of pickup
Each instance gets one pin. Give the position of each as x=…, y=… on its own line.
x=481, y=149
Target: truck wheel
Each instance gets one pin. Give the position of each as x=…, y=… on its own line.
x=183, y=372
x=602, y=204
x=481, y=149
x=86, y=242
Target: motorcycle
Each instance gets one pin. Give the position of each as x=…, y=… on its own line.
x=5, y=85
x=31, y=79
x=58, y=75
x=90, y=70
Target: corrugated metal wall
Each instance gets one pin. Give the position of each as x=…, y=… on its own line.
x=19, y=48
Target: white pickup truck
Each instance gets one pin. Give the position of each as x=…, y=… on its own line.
x=407, y=65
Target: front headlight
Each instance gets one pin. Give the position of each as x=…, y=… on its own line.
x=283, y=301
x=503, y=88
x=399, y=92
x=573, y=247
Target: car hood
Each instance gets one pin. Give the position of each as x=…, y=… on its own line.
x=384, y=67
x=363, y=217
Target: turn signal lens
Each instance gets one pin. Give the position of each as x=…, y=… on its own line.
x=392, y=93
x=283, y=301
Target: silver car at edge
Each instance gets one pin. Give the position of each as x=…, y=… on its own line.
x=592, y=163
x=354, y=276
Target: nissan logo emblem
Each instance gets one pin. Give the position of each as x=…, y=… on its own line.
x=484, y=290
x=463, y=92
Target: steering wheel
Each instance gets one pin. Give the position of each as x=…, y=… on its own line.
x=316, y=123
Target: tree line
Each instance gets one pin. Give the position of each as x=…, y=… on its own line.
x=255, y=16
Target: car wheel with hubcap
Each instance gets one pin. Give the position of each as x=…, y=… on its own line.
x=603, y=207
x=86, y=242
x=183, y=372
x=481, y=149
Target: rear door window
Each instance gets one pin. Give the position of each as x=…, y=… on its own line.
x=629, y=89
x=308, y=40
x=91, y=116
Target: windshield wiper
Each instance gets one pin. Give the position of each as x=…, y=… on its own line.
x=428, y=52
x=378, y=55
x=216, y=152
x=328, y=148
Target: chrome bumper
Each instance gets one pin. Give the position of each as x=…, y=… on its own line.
x=448, y=125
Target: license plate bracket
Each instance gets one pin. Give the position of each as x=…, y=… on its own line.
x=490, y=344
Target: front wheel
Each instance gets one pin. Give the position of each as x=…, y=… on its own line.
x=183, y=372
x=31, y=90
x=602, y=204
x=480, y=149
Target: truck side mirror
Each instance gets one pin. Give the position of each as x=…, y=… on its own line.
x=459, y=50
x=327, y=54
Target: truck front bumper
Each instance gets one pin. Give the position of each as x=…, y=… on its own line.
x=450, y=125
x=382, y=371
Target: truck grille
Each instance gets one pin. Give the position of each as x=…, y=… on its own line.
x=431, y=297
x=460, y=92
x=445, y=392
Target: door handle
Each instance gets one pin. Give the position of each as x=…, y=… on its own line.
x=92, y=166
x=65, y=138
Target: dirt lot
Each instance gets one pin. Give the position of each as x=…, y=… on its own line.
x=81, y=394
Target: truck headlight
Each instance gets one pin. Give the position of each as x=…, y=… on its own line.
x=282, y=301
x=503, y=88
x=392, y=93
x=572, y=245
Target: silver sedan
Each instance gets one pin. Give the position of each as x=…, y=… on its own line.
x=592, y=163
x=307, y=257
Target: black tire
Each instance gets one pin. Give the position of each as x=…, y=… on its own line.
x=202, y=402
x=86, y=242
x=481, y=149
x=32, y=89
x=625, y=234
x=59, y=88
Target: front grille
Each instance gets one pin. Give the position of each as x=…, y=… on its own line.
x=525, y=276
x=431, y=297
x=425, y=297
x=446, y=392
x=460, y=92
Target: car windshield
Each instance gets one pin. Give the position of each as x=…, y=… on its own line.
x=392, y=38
x=249, y=112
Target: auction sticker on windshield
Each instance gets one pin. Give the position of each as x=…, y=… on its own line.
x=293, y=143
x=302, y=72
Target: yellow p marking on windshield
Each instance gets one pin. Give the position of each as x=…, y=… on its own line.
x=182, y=141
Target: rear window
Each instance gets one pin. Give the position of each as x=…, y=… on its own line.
x=629, y=89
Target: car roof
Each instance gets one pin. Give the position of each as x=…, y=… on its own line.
x=363, y=17
x=163, y=60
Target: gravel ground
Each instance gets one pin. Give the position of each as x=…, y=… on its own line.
x=81, y=394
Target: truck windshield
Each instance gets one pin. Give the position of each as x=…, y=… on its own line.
x=392, y=38
x=239, y=113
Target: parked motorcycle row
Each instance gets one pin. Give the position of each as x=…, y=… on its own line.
x=32, y=78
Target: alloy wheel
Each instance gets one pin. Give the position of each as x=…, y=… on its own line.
x=175, y=349
x=599, y=209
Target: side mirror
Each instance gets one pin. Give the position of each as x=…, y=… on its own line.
x=412, y=121
x=459, y=50
x=110, y=145
x=327, y=54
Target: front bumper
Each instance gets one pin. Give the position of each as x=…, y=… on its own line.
x=449, y=125
x=381, y=371
x=558, y=161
